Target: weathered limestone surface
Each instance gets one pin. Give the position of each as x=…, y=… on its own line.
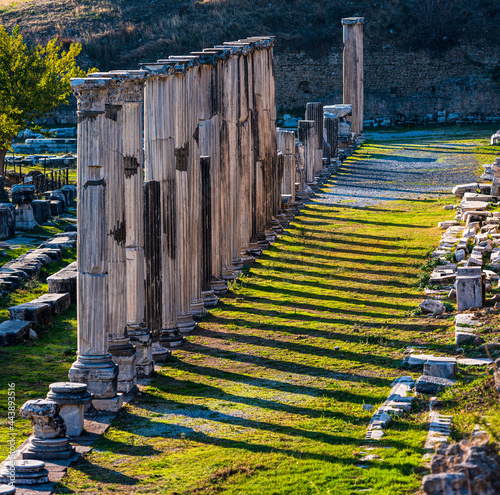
x=353, y=70
x=94, y=365
x=49, y=440
x=64, y=281
x=72, y=399
x=14, y=331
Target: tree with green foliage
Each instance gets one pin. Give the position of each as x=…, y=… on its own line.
x=34, y=80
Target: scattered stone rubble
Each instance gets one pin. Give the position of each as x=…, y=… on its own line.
x=396, y=404
x=465, y=468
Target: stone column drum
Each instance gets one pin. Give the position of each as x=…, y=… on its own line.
x=353, y=70
x=72, y=399
x=49, y=440
x=94, y=365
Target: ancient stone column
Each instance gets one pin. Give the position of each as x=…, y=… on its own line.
x=331, y=126
x=132, y=88
x=160, y=167
x=94, y=365
x=209, y=145
x=183, y=132
x=286, y=145
x=307, y=137
x=209, y=298
x=314, y=112
x=353, y=70
x=120, y=347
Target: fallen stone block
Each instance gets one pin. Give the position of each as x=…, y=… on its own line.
x=470, y=288
x=461, y=189
x=445, y=484
x=465, y=338
x=41, y=210
x=64, y=281
x=442, y=367
x=431, y=306
x=14, y=331
x=59, y=303
x=432, y=384
x=34, y=312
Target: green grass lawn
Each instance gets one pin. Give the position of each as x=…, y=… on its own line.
x=267, y=396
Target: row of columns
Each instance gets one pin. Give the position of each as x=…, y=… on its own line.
x=179, y=184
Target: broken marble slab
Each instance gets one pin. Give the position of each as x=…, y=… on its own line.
x=460, y=189
x=474, y=361
x=487, y=198
x=447, y=224
x=473, y=206
x=442, y=367
x=432, y=384
x=439, y=430
x=431, y=306
x=14, y=331
x=397, y=403
x=59, y=303
x=32, y=311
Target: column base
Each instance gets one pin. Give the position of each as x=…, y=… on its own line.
x=198, y=307
x=248, y=260
x=228, y=274
x=141, y=338
x=26, y=472
x=100, y=374
x=171, y=338
x=210, y=300
x=48, y=449
x=270, y=236
x=111, y=405
x=254, y=249
x=219, y=287
x=237, y=265
x=160, y=353
x=185, y=323
x=125, y=357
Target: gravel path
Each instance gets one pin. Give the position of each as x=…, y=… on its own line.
x=398, y=168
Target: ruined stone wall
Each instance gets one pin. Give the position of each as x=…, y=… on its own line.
x=395, y=81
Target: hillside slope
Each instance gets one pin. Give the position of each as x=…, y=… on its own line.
x=123, y=33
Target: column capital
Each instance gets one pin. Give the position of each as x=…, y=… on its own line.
x=353, y=20
x=91, y=93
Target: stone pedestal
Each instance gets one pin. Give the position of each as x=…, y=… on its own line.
x=22, y=472
x=470, y=288
x=353, y=70
x=25, y=217
x=49, y=440
x=72, y=399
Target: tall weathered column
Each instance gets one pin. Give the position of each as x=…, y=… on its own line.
x=160, y=167
x=286, y=145
x=94, y=365
x=120, y=347
x=308, y=138
x=331, y=126
x=133, y=160
x=209, y=145
x=353, y=70
x=314, y=112
x=209, y=298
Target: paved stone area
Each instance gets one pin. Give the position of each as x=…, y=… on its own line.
x=415, y=168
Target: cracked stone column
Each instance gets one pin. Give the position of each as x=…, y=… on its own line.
x=190, y=269
x=308, y=138
x=133, y=161
x=353, y=70
x=209, y=145
x=331, y=126
x=314, y=112
x=160, y=171
x=94, y=365
x=209, y=298
x=120, y=347
x=286, y=145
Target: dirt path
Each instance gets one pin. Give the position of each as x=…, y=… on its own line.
x=267, y=396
